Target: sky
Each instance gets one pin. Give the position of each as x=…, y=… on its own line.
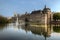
x=9, y=7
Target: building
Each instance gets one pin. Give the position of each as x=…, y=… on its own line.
x=41, y=16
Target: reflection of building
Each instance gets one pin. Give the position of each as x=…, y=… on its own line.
x=41, y=16
x=41, y=31
x=45, y=31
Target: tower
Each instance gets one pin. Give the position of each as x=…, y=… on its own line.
x=47, y=13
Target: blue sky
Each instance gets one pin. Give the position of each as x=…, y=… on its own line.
x=8, y=7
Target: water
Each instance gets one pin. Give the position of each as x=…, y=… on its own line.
x=45, y=32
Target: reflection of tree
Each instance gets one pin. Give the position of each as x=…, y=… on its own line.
x=26, y=28
x=2, y=26
x=56, y=28
x=26, y=22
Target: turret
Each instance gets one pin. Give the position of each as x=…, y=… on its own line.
x=46, y=10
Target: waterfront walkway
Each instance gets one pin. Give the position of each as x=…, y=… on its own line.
x=55, y=22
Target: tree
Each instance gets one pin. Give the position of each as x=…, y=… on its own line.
x=56, y=16
x=3, y=20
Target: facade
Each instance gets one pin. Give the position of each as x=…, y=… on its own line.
x=41, y=16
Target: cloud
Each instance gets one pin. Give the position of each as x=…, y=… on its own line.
x=22, y=2
x=35, y=3
x=30, y=2
x=46, y=0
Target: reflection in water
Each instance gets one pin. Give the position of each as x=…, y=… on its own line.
x=56, y=29
x=28, y=32
x=45, y=30
x=2, y=26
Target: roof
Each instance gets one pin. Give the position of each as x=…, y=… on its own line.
x=46, y=9
x=36, y=11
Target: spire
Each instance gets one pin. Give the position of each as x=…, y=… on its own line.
x=45, y=6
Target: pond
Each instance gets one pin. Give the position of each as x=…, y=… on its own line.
x=20, y=32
